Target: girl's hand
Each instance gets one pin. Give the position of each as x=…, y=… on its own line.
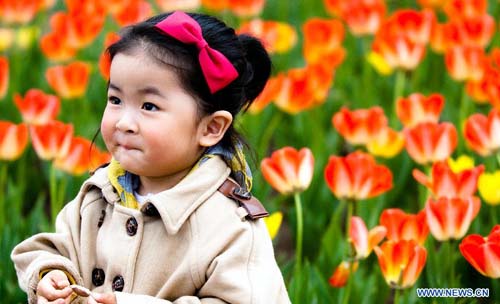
x=54, y=288
x=102, y=298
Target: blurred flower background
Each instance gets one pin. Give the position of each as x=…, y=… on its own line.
x=376, y=142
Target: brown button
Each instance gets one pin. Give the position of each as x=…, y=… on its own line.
x=101, y=219
x=131, y=226
x=150, y=210
x=118, y=283
x=98, y=276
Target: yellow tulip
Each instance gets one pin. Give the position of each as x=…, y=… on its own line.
x=273, y=223
x=379, y=63
x=489, y=187
x=463, y=162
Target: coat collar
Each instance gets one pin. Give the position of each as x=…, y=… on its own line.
x=174, y=205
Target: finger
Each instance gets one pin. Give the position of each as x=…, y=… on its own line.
x=50, y=293
x=90, y=300
x=41, y=300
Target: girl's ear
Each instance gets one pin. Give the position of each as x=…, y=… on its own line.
x=213, y=127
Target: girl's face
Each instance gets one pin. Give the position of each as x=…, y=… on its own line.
x=150, y=122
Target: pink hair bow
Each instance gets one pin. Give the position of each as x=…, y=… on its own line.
x=216, y=68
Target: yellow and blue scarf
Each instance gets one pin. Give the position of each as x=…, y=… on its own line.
x=125, y=182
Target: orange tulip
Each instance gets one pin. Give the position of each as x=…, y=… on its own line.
x=246, y=8
x=51, y=140
x=4, y=76
x=361, y=16
x=401, y=262
x=477, y=31
x=405, y=226
x=445, y=36
x=364, y=17
x=342, y=272
x=430, y=142
x=13, y=140
x=398, y=50
x=98, y=158
x=463, y=9
x=216, y=5
x=81, y=157
x=483, y=253
x=323, y=40
x=271, y=91
x=413, y=24
x=277, y=37
x=363, y=240
x=387, y=143
x=55, y=47
x=360, y=126
x=357, y=176
x=478, y=91
x=288, y=170
x=481, y=132
x=133, y=12
x=174, y=5
x=304, y=88
x=418, y=108
x=432, y=4
x=450, y=218
x=466, y=62
x=18, y=11
x=69, y=81
x=36, y=107
x=104, y=59
x=446, y=183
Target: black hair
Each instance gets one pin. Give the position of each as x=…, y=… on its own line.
x=245, y=52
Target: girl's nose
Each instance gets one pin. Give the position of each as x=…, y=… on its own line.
x=127, y=123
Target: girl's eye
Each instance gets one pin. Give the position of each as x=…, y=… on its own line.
x=114, y=100
x=149, y=107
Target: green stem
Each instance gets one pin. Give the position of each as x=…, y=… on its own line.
x=3, y=192
x=498, y=158
x=451, y=266
x=269, y=131
x=399, y=87
x=494, y=215
x=397, y=293
x=298, y=248
x=300, y=228
x=350, y=253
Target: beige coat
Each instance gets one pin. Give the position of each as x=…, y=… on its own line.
x=192, y=247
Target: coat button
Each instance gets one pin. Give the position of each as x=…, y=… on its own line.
x=150, y=210
x=131, y=226
x=118, y=283
x=98, y=276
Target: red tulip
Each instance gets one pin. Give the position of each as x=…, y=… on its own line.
x=360, y=127
x=401, y=262
x=81, y=157
x=18, y=11
x=104, y=59
x=246, y=8
x=363, y=17
x=357, y=176
x=51, y=140
x=363, y=240
x=36, y=107
x=133, y=12
x=430, y=142
x=483, y=253
x=463, y=9
x=13, y=140
x=405, y=226
x=482, y=132
x=450, y=218
x=418, y=108
x=288, y=170
x=446, y=183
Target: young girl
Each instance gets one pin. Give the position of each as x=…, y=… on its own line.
x=171, y=218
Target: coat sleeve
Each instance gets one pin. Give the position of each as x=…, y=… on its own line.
x=47, y=251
